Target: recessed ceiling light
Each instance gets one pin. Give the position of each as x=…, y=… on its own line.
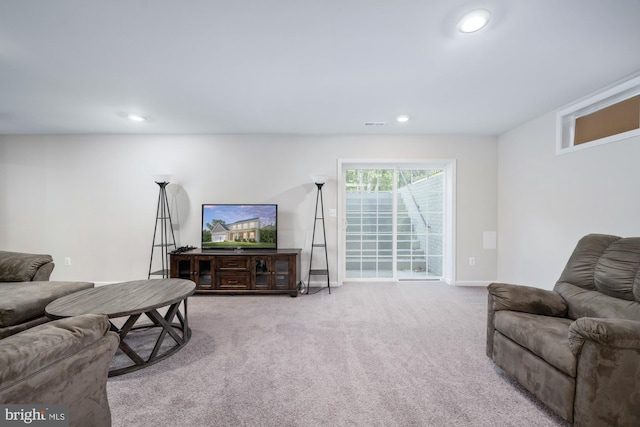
x=474, y=21
x=402, y=118
x=135, y=117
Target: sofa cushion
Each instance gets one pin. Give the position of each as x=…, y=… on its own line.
x=585, y=303
x=581, y=266
x=19, y=267
x=547, y=337
x=616, y=272
x=22, y=301
x=26, y=353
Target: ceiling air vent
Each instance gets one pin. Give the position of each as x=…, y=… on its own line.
x=375, y=123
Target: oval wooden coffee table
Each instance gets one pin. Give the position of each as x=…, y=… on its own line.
x=134, y=299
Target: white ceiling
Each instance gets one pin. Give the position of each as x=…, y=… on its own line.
x=303, y=67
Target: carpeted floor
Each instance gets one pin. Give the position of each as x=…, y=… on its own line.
x=407, y=354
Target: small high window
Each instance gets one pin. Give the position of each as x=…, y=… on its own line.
x=610, y=116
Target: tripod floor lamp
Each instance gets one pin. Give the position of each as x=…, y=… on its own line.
x=164, y=240
x=319, y=241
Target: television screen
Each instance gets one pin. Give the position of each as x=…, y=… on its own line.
x=252, y=226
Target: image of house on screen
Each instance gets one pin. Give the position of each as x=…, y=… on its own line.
x=246, y=230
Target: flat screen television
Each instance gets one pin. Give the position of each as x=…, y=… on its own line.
x=239, y=226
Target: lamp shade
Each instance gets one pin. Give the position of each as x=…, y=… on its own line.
x=162, y=177
x=319, y=179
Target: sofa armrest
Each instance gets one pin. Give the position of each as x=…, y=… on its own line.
x=43, y=274
x=608, y=356
x=527, y=299
x=615, y=333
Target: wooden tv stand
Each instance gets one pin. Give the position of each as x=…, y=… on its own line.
x=239, y=272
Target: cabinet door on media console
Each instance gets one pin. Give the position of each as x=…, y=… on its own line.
x=262, y=272
x=200, y=269
x=274, y=272
x=284, y=273
x=205, y=272
x=181, y=267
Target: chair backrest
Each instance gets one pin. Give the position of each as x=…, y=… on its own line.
x=602, y=277
x=22, y=267
x=606, y=263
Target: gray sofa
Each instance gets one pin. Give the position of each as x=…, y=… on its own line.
x=576, y=348
x=25, y=290
x=63, y=362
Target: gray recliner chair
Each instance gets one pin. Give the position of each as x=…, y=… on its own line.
x=64, y=362
x=576, y=348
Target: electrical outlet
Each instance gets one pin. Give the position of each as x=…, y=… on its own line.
x=67, y=261
x=472, y=260
x=332, y=212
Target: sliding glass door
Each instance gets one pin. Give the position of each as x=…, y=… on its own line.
x=394, y=221
x=369, y=234
x=419, y=220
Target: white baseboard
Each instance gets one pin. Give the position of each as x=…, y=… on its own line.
x=473, y=283
x=322, y=284
x=97, y=284
x=314, y=284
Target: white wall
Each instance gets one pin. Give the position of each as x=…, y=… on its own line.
x=93, y=198
x=546, y=202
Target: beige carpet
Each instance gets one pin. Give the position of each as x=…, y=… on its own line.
x=407, y=354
